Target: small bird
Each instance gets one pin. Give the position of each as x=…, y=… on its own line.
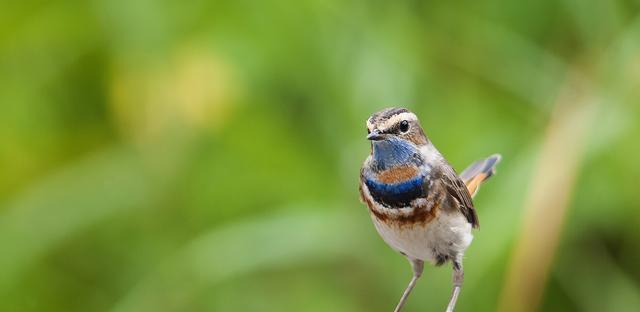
x=418, y=204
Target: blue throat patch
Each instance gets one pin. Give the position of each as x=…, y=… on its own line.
x=393, y=152
x=396, y=195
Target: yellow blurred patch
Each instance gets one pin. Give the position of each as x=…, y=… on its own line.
x=192, y=89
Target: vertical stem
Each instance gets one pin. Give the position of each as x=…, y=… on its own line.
x=549, y=197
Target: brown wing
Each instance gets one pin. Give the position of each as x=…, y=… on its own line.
x=457, y=190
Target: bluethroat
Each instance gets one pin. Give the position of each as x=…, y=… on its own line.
x=417, y=202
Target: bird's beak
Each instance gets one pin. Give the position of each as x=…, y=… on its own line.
x=375, y=135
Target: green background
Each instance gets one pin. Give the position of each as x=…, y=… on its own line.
x=204, y=155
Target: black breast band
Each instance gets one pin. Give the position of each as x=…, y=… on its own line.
x=396, y=195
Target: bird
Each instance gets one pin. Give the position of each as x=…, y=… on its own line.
x=418, y=204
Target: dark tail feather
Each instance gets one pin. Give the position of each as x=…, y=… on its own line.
x=478, y=172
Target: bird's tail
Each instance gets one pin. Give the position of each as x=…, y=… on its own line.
x=478, y=172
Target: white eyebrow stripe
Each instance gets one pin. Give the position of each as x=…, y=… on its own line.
x=397, y=118
x=369, y=124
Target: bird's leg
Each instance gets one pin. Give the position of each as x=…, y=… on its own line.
x=418, y=266
x=458, y=277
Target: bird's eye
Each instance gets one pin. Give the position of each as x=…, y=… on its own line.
x=404, y=126
x=368, y=131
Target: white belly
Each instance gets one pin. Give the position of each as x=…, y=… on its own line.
x=448, y=234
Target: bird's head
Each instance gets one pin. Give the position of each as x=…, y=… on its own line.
x=395, y=124
x=396, y=137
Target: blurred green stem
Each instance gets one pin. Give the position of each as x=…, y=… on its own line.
x=549, y=196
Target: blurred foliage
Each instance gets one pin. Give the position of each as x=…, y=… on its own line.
x=204, y=155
